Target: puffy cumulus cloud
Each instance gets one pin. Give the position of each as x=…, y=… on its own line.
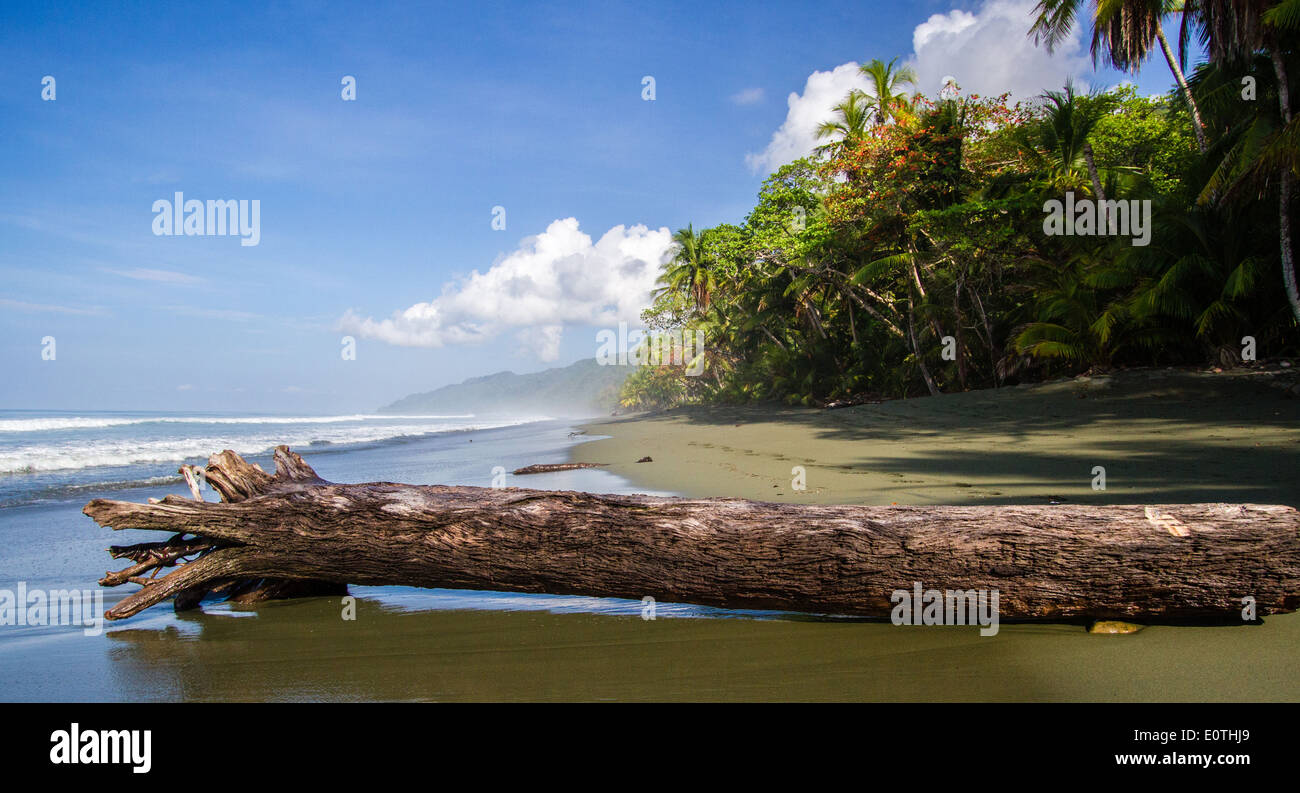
x=557, y=278
x=986, y=52
x=989, y=52
x=543, y=341
x=797, y=135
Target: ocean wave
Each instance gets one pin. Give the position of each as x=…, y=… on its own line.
x=51, y=424
x=110, y=452
x=62, y=490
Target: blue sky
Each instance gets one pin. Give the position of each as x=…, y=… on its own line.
x=384, y=204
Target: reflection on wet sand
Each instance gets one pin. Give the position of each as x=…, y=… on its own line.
x=304, y=651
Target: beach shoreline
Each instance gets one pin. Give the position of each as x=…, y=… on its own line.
x=1162, y=436
x=411, y=643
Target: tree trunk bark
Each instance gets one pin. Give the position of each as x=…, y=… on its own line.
x=994, y=352
x=959, y=334
x=1198, y=126
x=916, y=350
x=1285, y=187
x=1098, y=191
x=1061, y=563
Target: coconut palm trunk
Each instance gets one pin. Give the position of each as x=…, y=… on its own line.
x=1098, y=191
x=1125, y=30
x=1198, y=126
x=1286, y=184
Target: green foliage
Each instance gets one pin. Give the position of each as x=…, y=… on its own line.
x=919, y=230
x=1150, y=135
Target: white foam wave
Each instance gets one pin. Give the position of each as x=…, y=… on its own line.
x=50, y=424
x=85, y=452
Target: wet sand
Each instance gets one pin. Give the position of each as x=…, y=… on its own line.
x=1162, y=437
x=302, y=651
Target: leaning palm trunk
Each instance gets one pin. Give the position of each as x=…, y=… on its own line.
x=1285, y=184
x=1288, y=252
x=1198, y=126
x=1098, y=192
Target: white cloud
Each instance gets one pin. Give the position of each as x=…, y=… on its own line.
x=556, y=278
x=987, y=52
x=21, y=305
x=797, y=136
x=990, y=51
x=749, y=96
x=225, y=314
x=161, y=276
x=544, y=342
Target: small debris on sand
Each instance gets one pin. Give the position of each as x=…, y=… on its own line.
x=1113, y=626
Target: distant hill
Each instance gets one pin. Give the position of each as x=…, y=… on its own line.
x=584, y=389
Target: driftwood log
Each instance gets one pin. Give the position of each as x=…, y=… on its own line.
x=550, y=468
x=1163, y=563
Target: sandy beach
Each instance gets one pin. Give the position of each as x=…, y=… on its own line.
x=1163, y=436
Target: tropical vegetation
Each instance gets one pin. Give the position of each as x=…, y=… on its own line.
x=910, y=254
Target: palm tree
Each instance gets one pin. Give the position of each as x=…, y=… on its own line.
x=1067, y=326
x=1234, y=31
x=688, y=272
x=1063, y=133
x=851, y=124
x=889, y=101
x=1077, y=320
x=1126, y=30
x=1202, y=269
